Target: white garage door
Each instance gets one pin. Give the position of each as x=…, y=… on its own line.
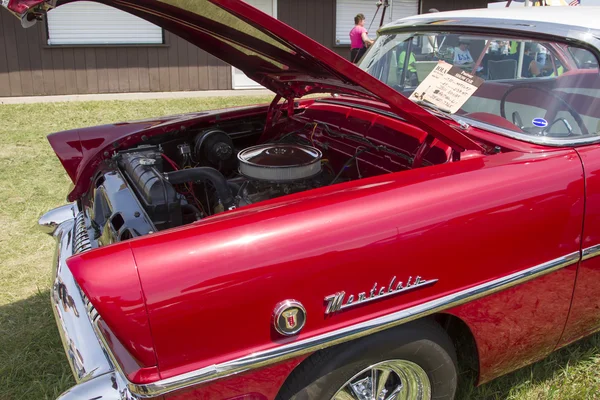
x=241, y=81
x=87, y=22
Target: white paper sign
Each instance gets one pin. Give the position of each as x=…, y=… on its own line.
x=447, y=87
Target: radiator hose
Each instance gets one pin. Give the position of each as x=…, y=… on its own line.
x=204, y=174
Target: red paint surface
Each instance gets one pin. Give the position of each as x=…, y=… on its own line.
x=20, y=7
x=438, y=222
x=210, y=288
x=310, y=245
x=109, y=278
x=584, y=318
x=260, y=384
x=135, y=372
x=441, y=222
x=520, y=325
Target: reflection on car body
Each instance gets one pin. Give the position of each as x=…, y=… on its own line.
x=208, y=255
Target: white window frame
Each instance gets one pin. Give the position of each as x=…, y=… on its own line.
x=113, y=28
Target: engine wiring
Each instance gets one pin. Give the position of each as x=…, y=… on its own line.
x=347, y=163
x=356, y=161
x=172, y=163
x=312, y=135
x=366, y=145
x=365, y=141
x=306, y=125
x=190, y=188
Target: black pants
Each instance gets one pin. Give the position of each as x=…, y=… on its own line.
x=356, y=54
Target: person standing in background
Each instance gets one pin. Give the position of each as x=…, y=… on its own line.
x=541, y=56
x=530, y=67
x=359, y=39
x=462, y=55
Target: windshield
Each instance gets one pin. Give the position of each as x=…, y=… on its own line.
x=506, y=84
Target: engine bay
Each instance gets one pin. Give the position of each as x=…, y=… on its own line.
x=207, y=182
x=183, y=177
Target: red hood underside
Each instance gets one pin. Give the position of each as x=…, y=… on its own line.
x=270, y=52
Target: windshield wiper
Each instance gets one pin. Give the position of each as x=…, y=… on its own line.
x=443, y=112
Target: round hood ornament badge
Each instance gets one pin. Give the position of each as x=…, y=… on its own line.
x=289, y=317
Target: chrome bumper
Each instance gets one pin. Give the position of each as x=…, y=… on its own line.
x=94, y=372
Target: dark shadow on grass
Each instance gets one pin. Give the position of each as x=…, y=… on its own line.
x=534, y=374
x=32, y=360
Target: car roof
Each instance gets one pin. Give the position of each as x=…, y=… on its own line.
x=583, y=17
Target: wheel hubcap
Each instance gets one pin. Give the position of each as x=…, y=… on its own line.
x=387, y=380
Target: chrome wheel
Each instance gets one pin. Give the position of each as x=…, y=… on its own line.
x=387, y=380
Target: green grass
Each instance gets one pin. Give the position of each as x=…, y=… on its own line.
x=32, y=362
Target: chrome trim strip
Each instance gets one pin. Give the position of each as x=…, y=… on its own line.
x=51, y=220
x=86, y=358
x=309, y=345
x=82, y=239
x=110, y=386
x=591, y=252
x=540, y=140
x=93, y=369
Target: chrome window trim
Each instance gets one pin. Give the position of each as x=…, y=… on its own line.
x=540, y=140
x=309, y=345
x=542, y=30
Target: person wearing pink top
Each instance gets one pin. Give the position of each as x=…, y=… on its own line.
x=359, y=39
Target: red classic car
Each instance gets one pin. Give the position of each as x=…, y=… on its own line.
x=338, y=247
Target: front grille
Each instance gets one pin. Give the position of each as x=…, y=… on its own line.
x=81, y=241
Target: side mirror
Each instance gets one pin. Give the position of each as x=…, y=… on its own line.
x=30, y=19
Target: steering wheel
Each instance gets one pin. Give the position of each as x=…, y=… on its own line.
x=576, y=116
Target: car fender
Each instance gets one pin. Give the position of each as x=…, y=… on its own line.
x=212, y=287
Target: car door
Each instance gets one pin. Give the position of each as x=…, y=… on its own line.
x=584, y=317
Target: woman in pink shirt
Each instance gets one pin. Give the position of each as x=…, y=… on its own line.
x=359, y=39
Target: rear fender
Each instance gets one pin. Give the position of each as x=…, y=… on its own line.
x=108, y=277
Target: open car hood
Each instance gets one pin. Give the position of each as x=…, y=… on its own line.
x=266, y=50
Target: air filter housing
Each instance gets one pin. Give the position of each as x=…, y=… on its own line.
x=280, y=162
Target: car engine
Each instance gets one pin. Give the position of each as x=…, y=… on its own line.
x=153, y=187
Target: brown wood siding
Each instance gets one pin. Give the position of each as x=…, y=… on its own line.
x=29, y=68
x=314, y=18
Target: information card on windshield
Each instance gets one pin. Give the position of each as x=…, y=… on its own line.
x=447, y=87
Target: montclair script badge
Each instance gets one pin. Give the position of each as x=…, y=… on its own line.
x=338, y=302
x=289, y=317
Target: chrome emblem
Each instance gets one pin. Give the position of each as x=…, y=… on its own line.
x=335, y=302
x=289, y=317
x=291, y=320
